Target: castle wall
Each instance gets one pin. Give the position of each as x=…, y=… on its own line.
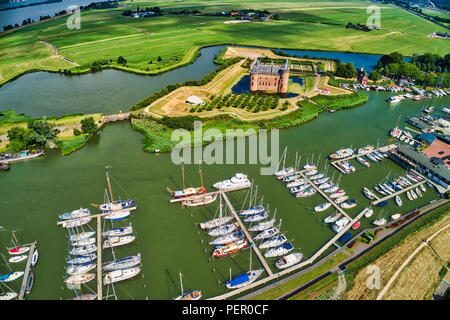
x=264, y=82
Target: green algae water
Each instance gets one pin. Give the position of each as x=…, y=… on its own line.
x=33, y=193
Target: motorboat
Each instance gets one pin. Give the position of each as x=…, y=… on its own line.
x=231, y=237
x=342, y=153
x=124, y=263
x=300, y=188
x=418, y=192
x=117, y=241
x=24, y=155
x=80, y=278
x=363, y=161
x=284, y=172
x=366, y=149
x=322, y=207
x=80, y=268
x=240, y=180
x=380, y=222
x=233, y=247
x=117, y=232
x=18, y=250
x=296, y=183
x=332, y=218
x=398, y=201
x=349, y=204
x=413, y=194
x=279, y=250
x=409, y=196
x=289, y=260
x=341, y=199
x=368, y=213
x=83, y=259
x=356, y=225
x=79, y=213
x=337, y=194
x=396, y=216
x=331, y=189
x=340, y=224
x=273, y=242
x=423, y=187
x=120, y=275
x=310, y=172
x=7, y=296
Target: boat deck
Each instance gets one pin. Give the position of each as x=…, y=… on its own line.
x=27, y=271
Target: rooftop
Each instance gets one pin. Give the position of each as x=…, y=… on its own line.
x=269, y=68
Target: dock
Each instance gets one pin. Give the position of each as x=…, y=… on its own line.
x=207, y=194
x=392, y=195
x=323, y=194
x=99, y=258
x=27, y=271
x=249, y=238
x=335, y=163
x=293, y=268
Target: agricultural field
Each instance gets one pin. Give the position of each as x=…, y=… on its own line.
x=156, y=44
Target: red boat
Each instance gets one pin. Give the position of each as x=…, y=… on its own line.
x=356, y=225
x=188, y=192
x=230, y=248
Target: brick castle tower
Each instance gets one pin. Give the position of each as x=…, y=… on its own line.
x=269, y=77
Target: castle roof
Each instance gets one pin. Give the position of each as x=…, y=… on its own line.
x=271, y=69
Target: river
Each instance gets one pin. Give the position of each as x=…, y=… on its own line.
x=34, y=192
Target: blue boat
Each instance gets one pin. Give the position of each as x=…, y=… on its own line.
x=383, y=203
x=117, y=205
x=251, y=210
x=243, y=279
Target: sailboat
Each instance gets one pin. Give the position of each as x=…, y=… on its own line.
x=380, y=220
x=117, y=241
x=231, y=237
x=17, y=259
x=398, y=201
x=233, y=247
x=83, y=259
x=245, y=278
x=7, y=277
x=117, y=232
x=81, y=235
x=123, y=263
x=217, y=222
x=120, y=275
x=273, y=242
x=285, y=171
x=191, y=295
x=201, y=200
x=79, y=213
x=117, y=205
x=7, y=296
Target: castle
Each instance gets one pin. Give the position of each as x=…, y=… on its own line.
x=269, y=77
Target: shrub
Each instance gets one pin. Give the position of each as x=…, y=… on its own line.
x=76, y=132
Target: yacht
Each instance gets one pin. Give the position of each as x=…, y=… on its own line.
x=322, y=207
x=233, y=247
x=240, y=180
x=368, y=213
x=369, y=194
x=120, y=275
x=273, y=242
x=267, y=233
x=279, y=251
x=79, y=213
x=289, y=260
x=380, y=222
x=231, y=237
x=123, y=263
x=349, y=204
x=80, y=278
x=262, y=225
x=257, y=217
x=117, y=241
x=222, y=230
x=116, y=232
x=342, y=153
x=80, y=269
x=251, y=210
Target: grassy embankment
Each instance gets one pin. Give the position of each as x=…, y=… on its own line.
x=158, y=133
x=106, y=35
x=66, y=140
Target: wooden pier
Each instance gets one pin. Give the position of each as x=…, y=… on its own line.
x=398, y=192
x=325, y=196
x=335, y=163
x=27, y=271
x=293, y=268
x=249, y=238
x=206, y=194
x=99, y=258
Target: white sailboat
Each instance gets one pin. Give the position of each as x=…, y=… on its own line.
x=123, y=263
x=191, y=295
x=245, y=278
x=120, y=275
x=117, y=241
x=217, y=222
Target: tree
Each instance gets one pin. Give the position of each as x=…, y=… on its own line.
x=159, y=58
x=88, y=125
x=374, y=75
x=121, y=60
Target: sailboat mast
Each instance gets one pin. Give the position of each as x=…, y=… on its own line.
x=181, y=284
x=182, y=174
x=14, y=235
x=250, y=269
x=201, y=177
x=109, y=186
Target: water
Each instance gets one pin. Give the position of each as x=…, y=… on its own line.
x=108, y=91
x=35, y=192
x=17, y=15
x=167, y=235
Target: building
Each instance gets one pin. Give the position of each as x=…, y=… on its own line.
x=195, y=101
x=269, y=77
x=361, y=76
x=432, y=168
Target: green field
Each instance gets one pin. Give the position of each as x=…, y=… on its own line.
x=105, y=34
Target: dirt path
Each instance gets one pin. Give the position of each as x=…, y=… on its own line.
x=341, y=287
x=406, y=262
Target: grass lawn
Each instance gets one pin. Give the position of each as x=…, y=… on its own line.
x=105, y=34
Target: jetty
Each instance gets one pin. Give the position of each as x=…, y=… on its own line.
x=206, y=194
x=335, y=163
x=274, y=276
x=392, y=195
x=26, y=274
x=249, y=238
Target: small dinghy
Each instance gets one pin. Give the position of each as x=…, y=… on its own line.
x=398, y=201
x=35, y=257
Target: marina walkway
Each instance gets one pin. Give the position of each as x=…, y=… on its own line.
x=293, y=268
x=325, y=196
x=27, y=272
x=99, y=258
x=249, y=238
x=398, y=192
